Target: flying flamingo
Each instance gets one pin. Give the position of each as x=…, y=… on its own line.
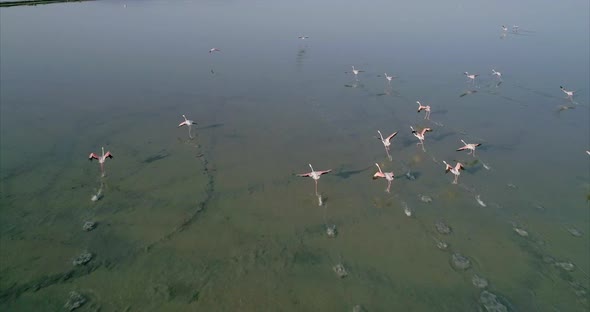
x=356, y=72
x=389, y=78
x=188, y=123
x=302, y=37
x=425, y=108
x=471, y=76
x=456, y=170
x=470, y=146
x=420, y=135
x=214, y=50
x=504, y=28
x=569, y=94
x=386, y=142
x=101, y=159
x=315, y=175
x=389, y=176
x=497, y=74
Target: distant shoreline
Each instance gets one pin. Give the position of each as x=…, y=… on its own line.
x=34, y=2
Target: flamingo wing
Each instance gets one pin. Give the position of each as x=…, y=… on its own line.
x=304, y=174
x=92, y=156
x=462, y=148
x=108, y=154
x=323, y=171
x=392, y=135
x=378, y=175
x=182, y=124
x=425, y=130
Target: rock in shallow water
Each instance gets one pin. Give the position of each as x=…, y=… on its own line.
x=521, y=232
x=331, y=230
x=568, y=266
x=460, y=262
x=358, y=308
x=340, y=270
x=82, y=259
x=491, y=302
x=425, y=198
x=442, y=227
x=89, y=226
x=75, y=301
x=479, y=281
x=574, y=232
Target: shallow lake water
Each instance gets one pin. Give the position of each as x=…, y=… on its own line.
x=221, y=222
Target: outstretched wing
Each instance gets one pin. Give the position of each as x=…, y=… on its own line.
x=323, y=171
x=304, y=174
x=92, y=156
x=392, y=135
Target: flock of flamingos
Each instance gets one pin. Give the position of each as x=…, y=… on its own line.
x=389, y=176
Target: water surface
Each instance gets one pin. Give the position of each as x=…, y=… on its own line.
x=220, y=222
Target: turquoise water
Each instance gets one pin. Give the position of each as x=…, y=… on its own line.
x=220, y=222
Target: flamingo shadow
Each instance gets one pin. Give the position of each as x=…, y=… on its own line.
x=347, y=174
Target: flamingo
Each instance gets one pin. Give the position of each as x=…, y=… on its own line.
x=389, y=176
x=454, y=170
x=356, y=72
x=101, y=159
x=389, y=78
x=302, y=37
x=514, y=29
x=425, y=108
x=569, y=94
x=471, y=76
x=214, y=50
x=420, y=135
x=315, y=175
x=504, y=28
x=189, y=124
x=497, y=74
x=386, y=142
x=470, y=146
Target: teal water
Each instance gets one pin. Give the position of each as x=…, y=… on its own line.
x=220, y=222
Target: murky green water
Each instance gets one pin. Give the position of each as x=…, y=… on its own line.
x=221, y=222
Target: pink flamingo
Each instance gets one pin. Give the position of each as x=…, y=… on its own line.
x=424, y=108
x=356, y=72
x=214, y=50
x=569, y=94
x=389, y=78
x=315, y=175
x=454, y=170
x=386, y=142
x=420, y=135
x=470, y=146
x=471, y=76
x=101, y=159
x=389, y=176
x=189, y=124
x=302, y=37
